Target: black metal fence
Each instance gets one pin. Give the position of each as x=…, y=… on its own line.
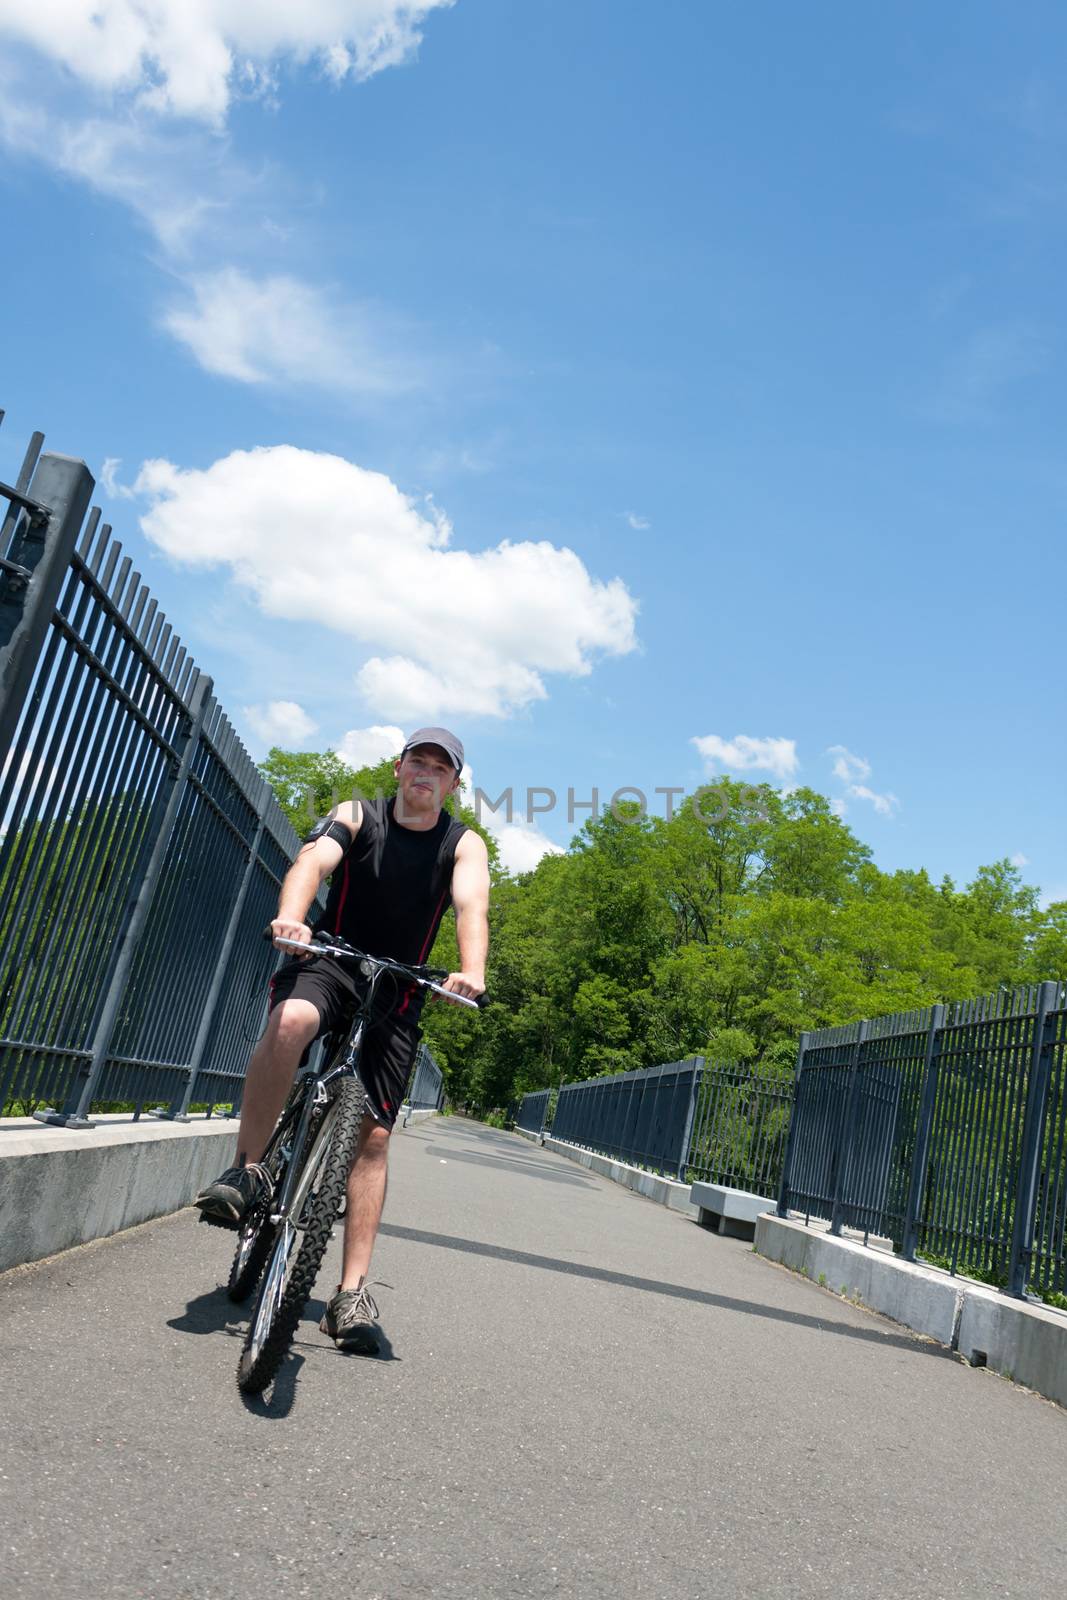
x=427, y=1088
x=644, y=1118
x=945, y=1129
x=740, y=1128
x=140, y=850
x=533, y=1111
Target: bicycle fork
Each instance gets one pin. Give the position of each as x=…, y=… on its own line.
x=299, y=1176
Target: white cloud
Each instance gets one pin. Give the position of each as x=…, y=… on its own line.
x=459, y=631
x=639, y=524
x=190, y=58
x=521, y=844
x=280, y=330
x=365, y=747
x=414, y=691
x=1019, y=860
x=839, y=806
x=884, y=804
x=745, y=754
x=109, y=480
x=847, y=766
x=281, y=722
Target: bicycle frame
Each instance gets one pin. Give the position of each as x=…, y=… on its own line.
x=318, y=1087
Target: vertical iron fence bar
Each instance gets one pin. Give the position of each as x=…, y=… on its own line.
x=43, y=546
x=222, y=966
x=1030, y=1154
x=22, y=484
x=74, y=1113
x=920, y=1160
x=697, y=1069
x=848, y=1130
x=792, y=1132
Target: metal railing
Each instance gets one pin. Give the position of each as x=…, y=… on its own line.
x=427, y=1088
x=944, y=1129
x=140, y=849
x=644, y=1118
x=740, y=1128
x=532, y=1111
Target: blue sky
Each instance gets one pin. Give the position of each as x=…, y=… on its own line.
x=742, y=327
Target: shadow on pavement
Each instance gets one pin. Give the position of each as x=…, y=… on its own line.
x=520, y=1164
x=674, y=1291
x=213, y=1312
x=282, y=1392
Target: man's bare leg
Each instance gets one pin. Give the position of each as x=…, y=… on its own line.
x=366, y=1197
x=292, y=1026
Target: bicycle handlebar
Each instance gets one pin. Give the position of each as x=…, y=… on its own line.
x=342, y=951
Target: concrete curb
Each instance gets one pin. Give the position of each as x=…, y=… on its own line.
x=664, y=1191
x=61, y=1187
x=1023, y=1341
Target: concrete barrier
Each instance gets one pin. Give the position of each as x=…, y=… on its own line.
x=665, y=1191
x=1023, y=1340
x=731, y=1212
x=63, y=1186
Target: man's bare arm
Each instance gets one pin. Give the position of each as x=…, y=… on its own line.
x=470, y=896
x=313, y=865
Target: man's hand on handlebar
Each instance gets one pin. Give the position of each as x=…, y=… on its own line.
x=467, y=984
x=286, y=928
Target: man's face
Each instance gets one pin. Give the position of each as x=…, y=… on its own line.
x=426, y=776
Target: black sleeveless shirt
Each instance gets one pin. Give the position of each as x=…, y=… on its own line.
x=392, y=888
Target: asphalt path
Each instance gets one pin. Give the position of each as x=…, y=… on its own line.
x=581, y=1394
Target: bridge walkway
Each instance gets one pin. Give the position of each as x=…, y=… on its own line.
x=582, y=1394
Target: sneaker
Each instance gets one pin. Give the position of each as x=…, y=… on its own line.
x=350, y=1321
x=229, y=1199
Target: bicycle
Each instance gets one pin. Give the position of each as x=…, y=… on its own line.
x=282, y=1240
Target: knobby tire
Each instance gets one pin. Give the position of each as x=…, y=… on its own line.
x=256, y=1236
x=255, y=1373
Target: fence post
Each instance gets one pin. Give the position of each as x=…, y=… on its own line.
x=74, y=1113
x=207, y=1016
x=687, y=1130
x=791, y=1135
x=849, y=1129
x=1033, y=1126
x=920, y=1159
x=54, y=508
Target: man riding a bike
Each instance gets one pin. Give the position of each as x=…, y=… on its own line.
x=395, y=865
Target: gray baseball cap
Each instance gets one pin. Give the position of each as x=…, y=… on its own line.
x=440, y=736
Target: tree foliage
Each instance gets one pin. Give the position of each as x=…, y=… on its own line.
x=652, y=940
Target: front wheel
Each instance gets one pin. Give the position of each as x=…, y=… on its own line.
x=255, y=1234
x=300, y=1241
x=253, y=1247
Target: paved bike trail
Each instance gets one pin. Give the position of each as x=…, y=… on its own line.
x=583, y=1394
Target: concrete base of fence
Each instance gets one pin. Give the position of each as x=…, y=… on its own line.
x=665, y=1191
x=731, y=1212
x=411, y=1117
x=61, y=1186
x=1023, y=1341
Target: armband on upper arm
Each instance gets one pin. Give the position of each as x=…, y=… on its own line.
x=327, y=829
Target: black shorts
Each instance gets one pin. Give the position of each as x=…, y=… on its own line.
x=389, y=1044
